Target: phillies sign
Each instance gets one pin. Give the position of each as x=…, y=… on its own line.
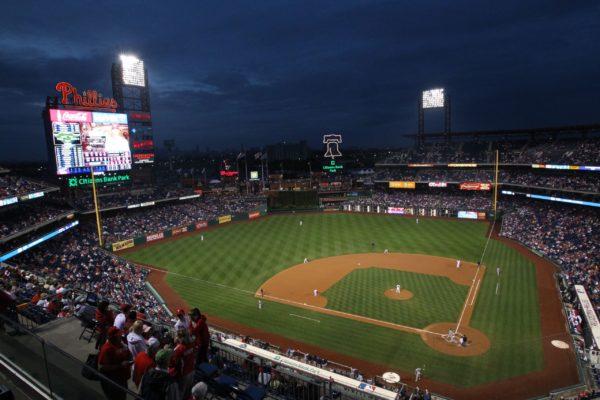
x=87, y=99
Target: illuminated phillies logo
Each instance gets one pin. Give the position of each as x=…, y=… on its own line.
x=88, y=99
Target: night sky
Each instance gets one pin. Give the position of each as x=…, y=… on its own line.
x=228, y=73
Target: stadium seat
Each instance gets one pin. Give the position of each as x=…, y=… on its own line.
x=252, y=393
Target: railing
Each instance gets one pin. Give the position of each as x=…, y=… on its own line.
x=47, y=369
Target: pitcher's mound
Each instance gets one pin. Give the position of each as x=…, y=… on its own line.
x=403, y=295
x=477, y=342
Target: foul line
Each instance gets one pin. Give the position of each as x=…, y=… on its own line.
x=322, y=310
x=300, y=316
x=475, y=283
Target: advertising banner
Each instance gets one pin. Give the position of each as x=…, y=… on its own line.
x=253, y=215
x=395, y=210
x=475, y=186
x=438, y=184
x=191, y=196
x=402, y=185
x=155, y=236
x=224, y=219
x=125, y=244
x=462, y=165
x=420, y=165
x=201, y=224
x=467, y=214
x=9, y=200
x=179, y=231
x=480, y=215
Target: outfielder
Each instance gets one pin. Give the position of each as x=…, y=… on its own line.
x=498, y=271
x=300, y=222
x=418, y=372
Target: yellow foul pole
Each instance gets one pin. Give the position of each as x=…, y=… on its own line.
x=496, y=184
x=98, y=223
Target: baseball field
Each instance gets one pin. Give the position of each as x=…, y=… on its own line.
x=357, y=316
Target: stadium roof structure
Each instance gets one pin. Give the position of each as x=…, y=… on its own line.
x=556, y=130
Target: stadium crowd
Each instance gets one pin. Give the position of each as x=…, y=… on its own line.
x=11, y=185
x=446, y=201
x=569, y=236
x=583, y=181
x=158, y=218
x=133, y=196
x=24, y=216
x=571, y=152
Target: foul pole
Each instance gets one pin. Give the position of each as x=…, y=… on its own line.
x=98, y=224
x=496, y=184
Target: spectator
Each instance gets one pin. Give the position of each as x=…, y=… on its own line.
x=114, y=361
x=183, y=322
x=144, y=361
x=199, y=391
x=183, y=362
x=105, y=319
x=157, y=383
x=135, y=339
x=122, y=316
x=200, y=335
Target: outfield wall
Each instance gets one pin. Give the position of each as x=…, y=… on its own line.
x=197, y=226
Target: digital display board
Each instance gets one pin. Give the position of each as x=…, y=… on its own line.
x=253, y=175
x=85, y=139
x=433, y=98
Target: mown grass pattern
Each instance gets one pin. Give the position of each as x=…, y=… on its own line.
x=361, y=292
x=244, y=255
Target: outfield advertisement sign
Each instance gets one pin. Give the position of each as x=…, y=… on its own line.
x=122, y=245
x=475, y=186
x=589, y=313
x=438, y=184
x=224, y=219
x=179, y=231
x=402, y=185
x=467, y=214
x=201, y=224
x=8, y=201
x=396, y=210
x=155, y=236
x=253, y=215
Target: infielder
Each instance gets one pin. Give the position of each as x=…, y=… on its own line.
x=385, y=251
x=457, y=264
x=315, y=292
x=398, y=288
x=305, y=260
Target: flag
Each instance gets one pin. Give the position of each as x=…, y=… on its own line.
x=241, y=155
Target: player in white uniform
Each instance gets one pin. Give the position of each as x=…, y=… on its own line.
x=457, y=264
x=315, y=292
x=398, y=288
x=498, y=271
x=300, y=222
x=260, y=304
x=305, y=260
x=418, y=373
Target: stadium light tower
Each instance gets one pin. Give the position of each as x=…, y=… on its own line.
x=432, y=99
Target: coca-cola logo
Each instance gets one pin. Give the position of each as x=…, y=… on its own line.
x=70, y=116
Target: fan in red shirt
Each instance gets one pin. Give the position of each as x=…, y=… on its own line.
x=183, y=362
x=114, y=361
x=200, y=335
x=105, y=319
x=144, y=361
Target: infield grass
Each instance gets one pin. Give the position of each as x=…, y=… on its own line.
x=220, y=275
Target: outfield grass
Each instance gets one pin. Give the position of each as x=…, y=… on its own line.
x=361, y=292
x=221, y=273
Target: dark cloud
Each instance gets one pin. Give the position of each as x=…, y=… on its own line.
x=229, y=73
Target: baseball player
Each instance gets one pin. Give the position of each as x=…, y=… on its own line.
x=300, y=222
x=385, y=251
x=498, y=271
x=315, y=292
x=260, y=304
x=202, y=238
x=418, y=372
x=305, y=260
x=417, y=221
x=398, y=288
x=457, y=264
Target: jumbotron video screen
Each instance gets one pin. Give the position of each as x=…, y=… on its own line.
x=84, y=139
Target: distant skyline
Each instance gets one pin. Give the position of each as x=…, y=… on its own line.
x=223, y=74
